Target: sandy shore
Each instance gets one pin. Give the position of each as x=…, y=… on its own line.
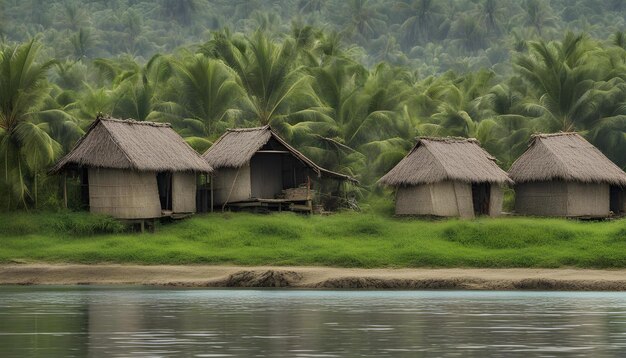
x=314, y=277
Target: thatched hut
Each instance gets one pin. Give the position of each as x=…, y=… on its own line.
x=135, y=170
x=447, y=177
x=564, y=175
x=256, y=167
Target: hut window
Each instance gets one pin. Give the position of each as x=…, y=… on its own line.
x=164, y=182
x=480, y=197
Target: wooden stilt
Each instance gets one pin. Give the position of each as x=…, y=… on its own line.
x=211, y=193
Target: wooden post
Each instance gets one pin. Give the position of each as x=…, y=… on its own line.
x=211, y=176
x=65, y=190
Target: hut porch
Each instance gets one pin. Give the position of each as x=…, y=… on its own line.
x=298, y=199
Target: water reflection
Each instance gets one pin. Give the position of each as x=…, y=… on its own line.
x=131, y=322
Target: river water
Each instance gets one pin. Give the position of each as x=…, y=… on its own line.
x=148, y=322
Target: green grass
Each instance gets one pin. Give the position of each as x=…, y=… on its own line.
x=372, y=239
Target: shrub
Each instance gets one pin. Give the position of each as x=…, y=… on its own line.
x=86, y=224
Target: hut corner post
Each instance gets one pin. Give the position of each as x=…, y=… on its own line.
x=211, y=178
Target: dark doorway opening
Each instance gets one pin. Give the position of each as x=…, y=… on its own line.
x=84, y=189
x=164, y=183
x=204, y=203
x=481, y=193
x=617, y=200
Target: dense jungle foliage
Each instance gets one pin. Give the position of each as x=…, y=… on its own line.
x=350, y=83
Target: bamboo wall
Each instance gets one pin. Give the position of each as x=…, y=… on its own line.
x=588, y=199
x=541, y=198
x=184, y=192
x=124, y=194
x=446, y=199
x=496, y=199
x=414, y=200
x=464, y=202
x=230, y=178
x=559, y=198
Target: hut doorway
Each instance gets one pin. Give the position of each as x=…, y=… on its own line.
x=164, y=183
x=84, y=189
x=481, y=193
x=617, y=200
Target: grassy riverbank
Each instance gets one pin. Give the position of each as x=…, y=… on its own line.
x=344, y=240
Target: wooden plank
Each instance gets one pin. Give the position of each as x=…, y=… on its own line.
x=245, y=204
x=274, y=200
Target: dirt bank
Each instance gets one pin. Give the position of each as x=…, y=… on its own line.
x=315, y=277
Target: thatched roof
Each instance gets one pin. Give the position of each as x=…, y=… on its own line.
x=128, y=144
x=438, y=159
x=236, y=147
x=565, y=156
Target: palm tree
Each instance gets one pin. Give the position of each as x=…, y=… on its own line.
x=205, y=91
x=459, y=112
x=490, y=11
x=578, y=86
x=25, y=146
x=511, y=129
x=609, y=125
x=619, y=39
x=133, y=27
x=82, y=42
x=562, y=76
x=538, y=15
x=422, y=25
x=365, y=19
x=277, y=89
x=471, y=31
x=367, y=127
x=136, y=90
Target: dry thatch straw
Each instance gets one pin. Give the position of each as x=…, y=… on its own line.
x=438, y=159
x=128, y=144
x=565, y=156
x=236, y=147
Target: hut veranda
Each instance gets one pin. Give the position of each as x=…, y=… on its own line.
x=564, y=175
x=255, y=167
x=447, y=177
x=134, y=170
